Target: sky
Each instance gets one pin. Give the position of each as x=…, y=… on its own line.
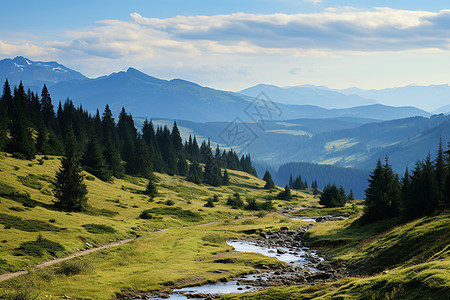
x=233, y=45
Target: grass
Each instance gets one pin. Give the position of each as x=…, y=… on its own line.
x=406, y=261
x=181, y=255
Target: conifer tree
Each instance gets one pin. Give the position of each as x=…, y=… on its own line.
x=182, y=166
x=70, y=190
x=94, y=161
x=286, y=194
x=48, y=113
x=113, y=160
x=21, y=143
x=268, y=179
x=351, y=196
x=7, y=99
x=195, y=173
x=3, y=126
x=291, y=181
x=176, y=139
x=225, y=178
x=152, y=190
x=212, y=175
x=333, y=196
x=383, y=196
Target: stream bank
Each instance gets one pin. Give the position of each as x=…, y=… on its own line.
x=303, y=266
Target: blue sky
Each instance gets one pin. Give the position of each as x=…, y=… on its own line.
x=235, y=44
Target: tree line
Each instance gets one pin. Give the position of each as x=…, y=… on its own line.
x=104, y=147
x=421, y=192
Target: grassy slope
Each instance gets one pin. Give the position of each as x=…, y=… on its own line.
x=184, y=254
x=410, y=261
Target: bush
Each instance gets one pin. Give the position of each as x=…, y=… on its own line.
x=98, y=228
x=210, y=203
x=17, y=208
x=169, y=203
x=37, y=248
x=21, y=197
x=185, y=215
x=73, y=267
x=235, y=201
x=26, y=225
x=214, y=238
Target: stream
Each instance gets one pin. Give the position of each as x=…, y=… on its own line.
x=304, y=266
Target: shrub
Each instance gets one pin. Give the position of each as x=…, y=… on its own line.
x=98, y=228
x=21, y=197
x=73, y=267
x=16, y=208
x=37, y=248
x=210, y=203
x=26, y=225
x=185, y=215
x=214, y=238
x=169, y=202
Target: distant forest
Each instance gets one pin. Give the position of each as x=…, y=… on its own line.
x=349, y=178
x=30, y=126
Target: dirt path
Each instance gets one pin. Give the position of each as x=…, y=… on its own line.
x=7, y=276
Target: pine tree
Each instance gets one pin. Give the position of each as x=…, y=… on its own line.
x=48, y=113
x=176, y=139
x=152, y=190
x=351, y=196
x=195, y=173
x=94, y=161
x=383, y=196
x=113, y=160
x=212, y=174
x=286, y=194
x=7, y=99
x=291, y=181
x=3, y=126
x=182, y=166
x=225, y=178
x=21, y=144
x=70, y=190
x=440, y=175
x=268, y=179
x=333, y=196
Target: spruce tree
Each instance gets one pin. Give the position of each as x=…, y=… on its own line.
x=7, y=99
x=383, y=196
x=268, y=179
x=21, y=143
x=48, y=113
x=70, y=190
x=286, y=194
x=3, y=126
x=113, y=160
x=195, y=173
x=333, y=196
x=94, y=161
x=182, y=166
x=212, y=175
x=151, y=189
x=225, y=178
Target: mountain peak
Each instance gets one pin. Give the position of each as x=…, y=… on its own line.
x=36, y=73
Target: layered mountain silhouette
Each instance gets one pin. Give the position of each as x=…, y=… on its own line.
x=147, y=96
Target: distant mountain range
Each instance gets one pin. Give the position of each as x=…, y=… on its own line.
x=344, y=142
x=431, y=98
x=147, y=96
x=36, y=73
x=307, y=95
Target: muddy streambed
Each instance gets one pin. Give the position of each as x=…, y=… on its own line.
x=303, y=266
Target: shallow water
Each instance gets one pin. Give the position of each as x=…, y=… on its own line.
x=306, y=219
x=293, y=258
